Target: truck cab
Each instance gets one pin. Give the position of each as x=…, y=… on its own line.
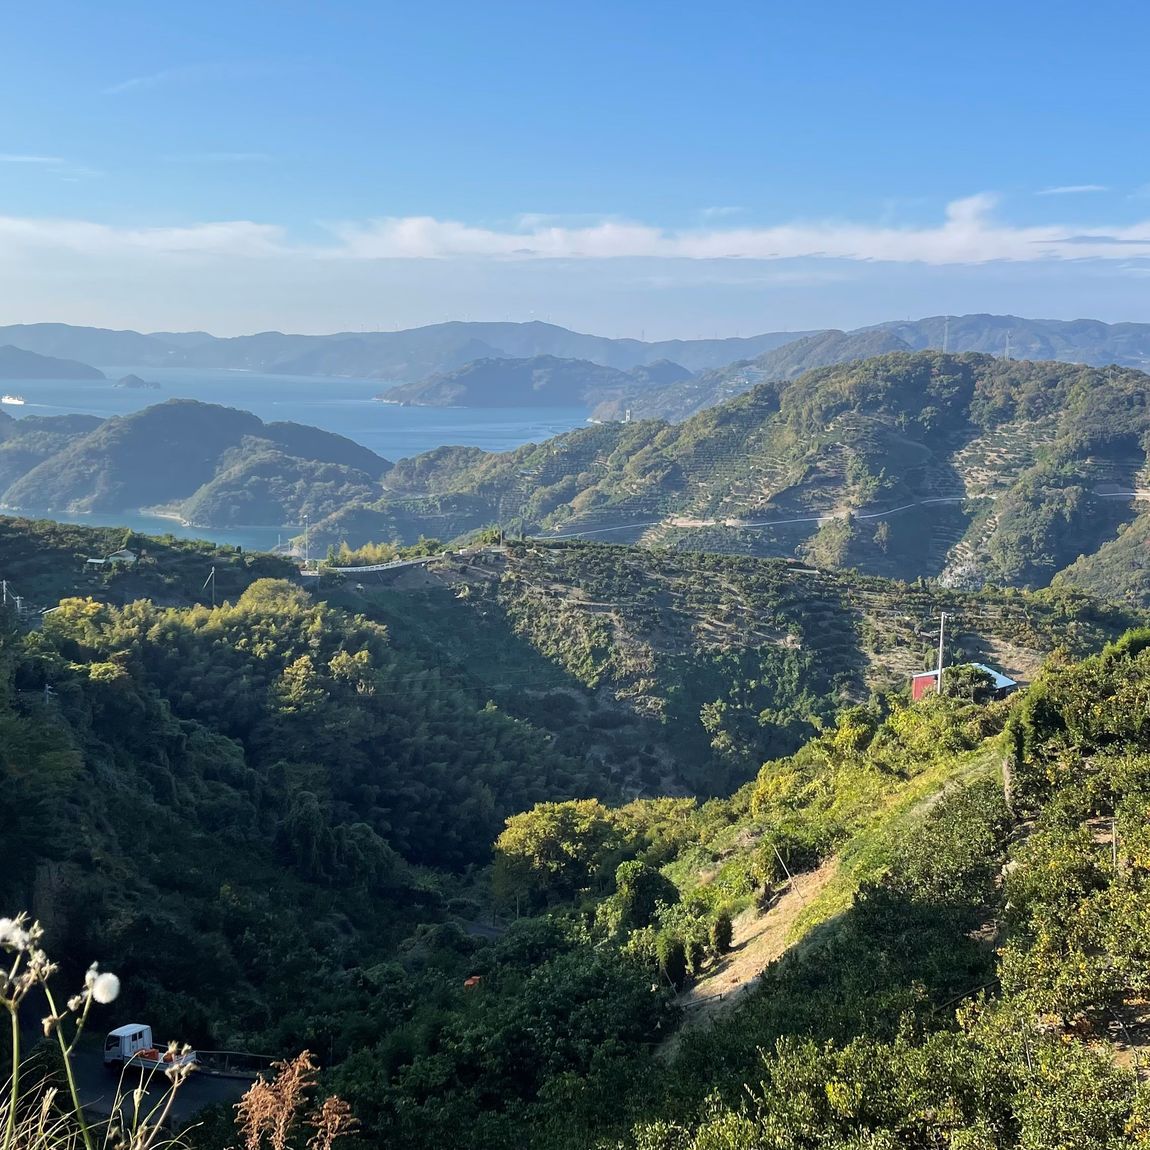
x=133, y=1046
x=126, y=1041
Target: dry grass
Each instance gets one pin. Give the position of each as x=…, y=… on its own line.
x=760, y=937
x=273, y=1114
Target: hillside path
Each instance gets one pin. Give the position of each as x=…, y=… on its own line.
x=759, y=938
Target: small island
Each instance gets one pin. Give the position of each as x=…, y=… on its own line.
x=135, y=383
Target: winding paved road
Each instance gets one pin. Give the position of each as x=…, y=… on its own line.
x=824, y=517
x=97, y=1086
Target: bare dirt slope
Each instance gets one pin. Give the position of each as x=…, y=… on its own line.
x=760, y=937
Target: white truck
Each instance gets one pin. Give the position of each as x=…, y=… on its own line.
x=133, y=1046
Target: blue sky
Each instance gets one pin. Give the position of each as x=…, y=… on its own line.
x=629, y=167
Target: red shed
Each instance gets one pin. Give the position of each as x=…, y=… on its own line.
x=926, y=681
x=922, y=684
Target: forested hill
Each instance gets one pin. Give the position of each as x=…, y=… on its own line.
x=680, y=672
x=218, y=801
x=206, y=463
x=678, y=399
x=658, y=671
x=969, y=469
x=966, y=468
x=274, y=820
x=541, y=381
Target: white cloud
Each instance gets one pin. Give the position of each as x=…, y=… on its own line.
x=1072, y=189
x=968, y=234
x=238, y=238
x=48, y=161
x=215, y=70
x=151, y=80
x=55, y=166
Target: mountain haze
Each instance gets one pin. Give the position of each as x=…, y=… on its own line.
x=541, y=381
x=16, y=363
x=412, y=355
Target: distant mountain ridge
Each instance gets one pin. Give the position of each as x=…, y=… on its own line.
x=415, y=354
x=541, y=381
x=18, y=363
x=401, y=356
x=1075, y=341
x=678, y=399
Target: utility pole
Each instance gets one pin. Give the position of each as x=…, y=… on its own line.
x=941, y=638
x=946, y=335
x=212, y=580
x=4, y=585
x=1008, y=347
x=306, y=543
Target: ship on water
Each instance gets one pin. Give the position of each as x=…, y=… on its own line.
x=12, y=400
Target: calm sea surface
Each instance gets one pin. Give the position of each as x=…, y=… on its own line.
x=344, y=406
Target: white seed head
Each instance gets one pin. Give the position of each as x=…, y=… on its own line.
x=13, y=935
x=105, y=988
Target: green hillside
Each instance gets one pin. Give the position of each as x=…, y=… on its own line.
x=44, y=561
x=315, y=820
x=209, y=464
x=680, y=672
x=236, y=788
x=26, y=442
x=679, y=399
x=964, y=468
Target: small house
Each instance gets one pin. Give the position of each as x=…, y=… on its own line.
x=124, y=556
x=926, y=681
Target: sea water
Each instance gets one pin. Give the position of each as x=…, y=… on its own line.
x=344, y=406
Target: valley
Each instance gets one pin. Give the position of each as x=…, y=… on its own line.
x=592, y=761
x=351, y=749
x=574, y=577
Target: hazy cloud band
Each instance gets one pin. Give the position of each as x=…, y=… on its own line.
x=968, y=234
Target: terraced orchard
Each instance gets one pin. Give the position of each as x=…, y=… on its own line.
x=977, y=470
x=682, y=671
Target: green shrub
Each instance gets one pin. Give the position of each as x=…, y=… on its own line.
x=672, y=956
x=721, y=933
